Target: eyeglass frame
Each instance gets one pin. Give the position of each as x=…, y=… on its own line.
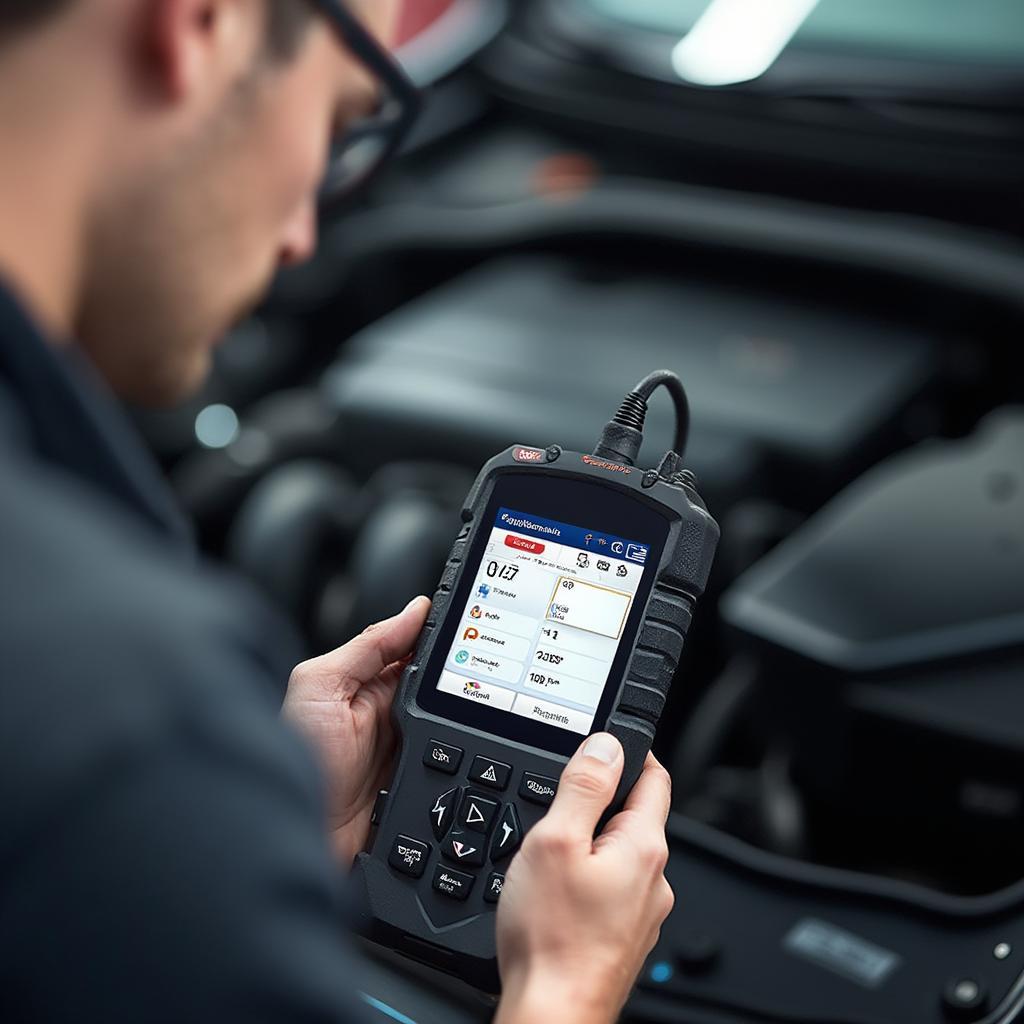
x=386, y=70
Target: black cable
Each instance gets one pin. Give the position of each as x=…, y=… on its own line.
x=624, y=433
x=668, y=380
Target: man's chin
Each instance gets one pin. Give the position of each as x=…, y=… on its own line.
x=168, y=386
x=182, y=379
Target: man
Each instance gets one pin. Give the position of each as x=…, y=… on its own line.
x=165, y=853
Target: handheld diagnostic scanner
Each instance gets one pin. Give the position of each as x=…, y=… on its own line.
x=561, y=611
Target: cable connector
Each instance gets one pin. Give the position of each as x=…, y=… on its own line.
x=624, y=433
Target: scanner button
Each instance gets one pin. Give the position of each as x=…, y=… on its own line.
x=450, y=882
x=538, y=789
x=495, y=883
x=652, y=668
x=507, y=836
x=443, y=811
x=442, y=757
x=378, y=807
x=667, y=639
x=409, y=855
x=464, y=848
x=489, y=772
x=478, y=813
x=448, y=578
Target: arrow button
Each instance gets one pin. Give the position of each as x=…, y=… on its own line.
x=478, y=813
x=443, y=811
x=463, y=848
x=507, y=836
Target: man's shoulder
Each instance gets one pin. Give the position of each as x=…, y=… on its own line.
x=111, y=640
x=82, y=571
x=156, y=811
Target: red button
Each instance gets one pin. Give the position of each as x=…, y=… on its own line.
x=523, y=544
x=528, y=455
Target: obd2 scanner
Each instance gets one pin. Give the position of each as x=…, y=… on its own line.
x=561, y=611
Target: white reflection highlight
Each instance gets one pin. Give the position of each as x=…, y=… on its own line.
x=216, y=426
x=738, y=40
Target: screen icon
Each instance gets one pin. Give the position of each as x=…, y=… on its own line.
x=582, y=560
x=603, y=565
x=475, y=612
x=483, y=590
x=621, y=571
x=636, y=553
x=461, y=657
x=617, y=547
x=470, y=633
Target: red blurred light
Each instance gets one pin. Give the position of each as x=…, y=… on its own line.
x=419, y=14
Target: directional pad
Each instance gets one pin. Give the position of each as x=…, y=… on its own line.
x=443, y=812
x=464, y=848
x=507, y=836
x=477, y=813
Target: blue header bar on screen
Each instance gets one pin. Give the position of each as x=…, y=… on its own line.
x=571, y=536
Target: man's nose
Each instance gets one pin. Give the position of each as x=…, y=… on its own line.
x=299, y=240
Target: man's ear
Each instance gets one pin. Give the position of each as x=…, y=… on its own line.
x=190, y=42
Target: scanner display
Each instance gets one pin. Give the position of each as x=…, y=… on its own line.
x=546, y=612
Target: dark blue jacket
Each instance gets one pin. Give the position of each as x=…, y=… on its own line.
x=162, y=847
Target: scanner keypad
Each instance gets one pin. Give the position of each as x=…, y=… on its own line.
x=472, y=827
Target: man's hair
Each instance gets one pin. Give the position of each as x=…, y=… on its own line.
x=287, y=20
x=17, y=14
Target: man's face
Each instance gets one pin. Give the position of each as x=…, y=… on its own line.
x=190, y=240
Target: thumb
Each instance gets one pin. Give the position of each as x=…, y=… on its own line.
x=587, y=786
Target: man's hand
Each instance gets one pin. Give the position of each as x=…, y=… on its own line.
x=342, y=702
x=579, y=915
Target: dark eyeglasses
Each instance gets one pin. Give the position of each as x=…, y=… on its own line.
x=369, y=143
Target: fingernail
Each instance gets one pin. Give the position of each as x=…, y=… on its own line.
x=412, y=602
x=602, y=746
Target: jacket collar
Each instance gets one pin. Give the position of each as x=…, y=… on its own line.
x=66, y=415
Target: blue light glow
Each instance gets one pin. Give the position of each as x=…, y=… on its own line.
x=389, y=1011
x=660, y=972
